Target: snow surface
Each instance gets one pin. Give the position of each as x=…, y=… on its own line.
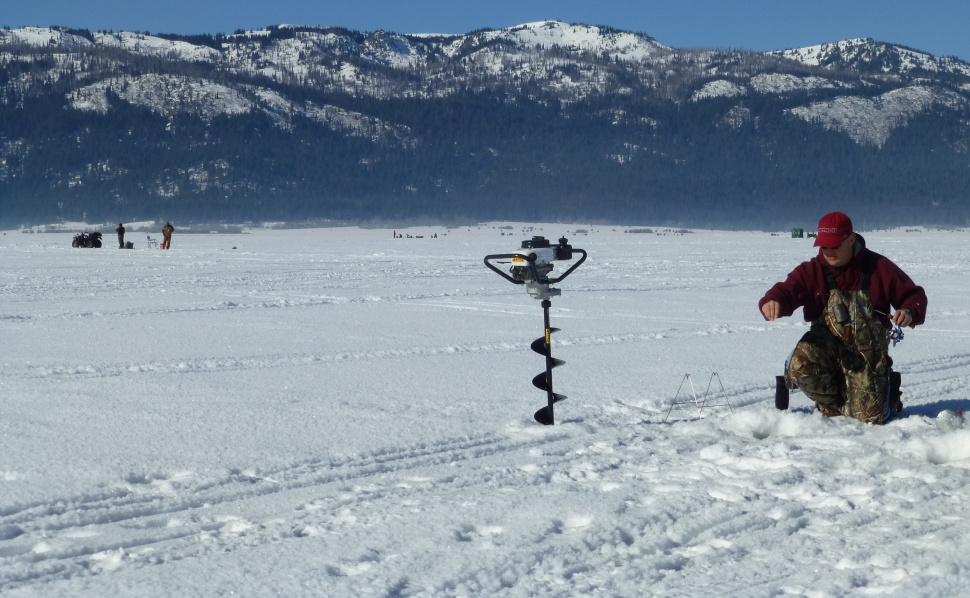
x=166, y=94
x=871, y=121
x=140, y=43
x=620, y=45
x=718, y=89
x=135, y=42
x=906, y=59
x=43, y=36
x=781, y=83
x=336, y=412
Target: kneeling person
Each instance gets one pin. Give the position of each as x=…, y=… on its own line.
x=842, y=363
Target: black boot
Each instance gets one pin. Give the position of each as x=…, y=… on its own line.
x=895, y=392
x=781, y=393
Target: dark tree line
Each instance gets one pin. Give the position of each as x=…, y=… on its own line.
x=476, y=156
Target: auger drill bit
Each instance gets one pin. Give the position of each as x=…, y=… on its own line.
x=543, y=381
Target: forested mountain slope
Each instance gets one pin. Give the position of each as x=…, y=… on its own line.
x=541, y=121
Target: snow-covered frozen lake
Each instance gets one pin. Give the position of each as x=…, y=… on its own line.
x=337, y=412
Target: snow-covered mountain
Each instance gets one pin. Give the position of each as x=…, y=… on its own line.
x=869, y=56
x=572, y=61
x=355, y=85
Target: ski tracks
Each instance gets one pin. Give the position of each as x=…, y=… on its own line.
x=151, y=520
x=261, y=362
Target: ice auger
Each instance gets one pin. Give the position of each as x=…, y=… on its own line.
x=531, y=265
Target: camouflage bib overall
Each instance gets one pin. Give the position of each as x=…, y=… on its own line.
x=843, y=362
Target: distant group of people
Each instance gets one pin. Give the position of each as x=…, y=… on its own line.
x=398, y=236
x=167, y=231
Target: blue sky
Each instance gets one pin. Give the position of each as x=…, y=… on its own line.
x=936, y=26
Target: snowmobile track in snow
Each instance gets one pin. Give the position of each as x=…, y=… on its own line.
x=158, y=518
x=217, y=364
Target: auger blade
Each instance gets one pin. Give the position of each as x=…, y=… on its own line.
x=541, y=382
x=541, y=379
x=544, y=416
x=539, y=345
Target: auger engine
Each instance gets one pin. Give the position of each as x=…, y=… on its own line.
x=531, y=265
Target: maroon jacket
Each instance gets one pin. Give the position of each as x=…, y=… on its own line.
x=889, y=286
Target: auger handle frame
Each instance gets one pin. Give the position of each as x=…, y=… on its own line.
x=532, y=266
x=571, y=268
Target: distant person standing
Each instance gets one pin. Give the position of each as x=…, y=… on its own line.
x=167, y=231
x=121, y=235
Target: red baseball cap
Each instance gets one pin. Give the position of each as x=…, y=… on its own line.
x=833, y=228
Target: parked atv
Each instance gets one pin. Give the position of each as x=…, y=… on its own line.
x=87, y=240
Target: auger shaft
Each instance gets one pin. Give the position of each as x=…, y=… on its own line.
x=543, y=381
